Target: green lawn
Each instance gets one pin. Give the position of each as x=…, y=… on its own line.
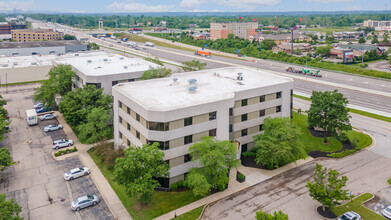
x=356, y=206
x=162, y=202
x=316, y=143
x=332, y=29
x=389, y=181
x=191, y=215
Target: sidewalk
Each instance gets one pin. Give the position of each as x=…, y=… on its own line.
x=110, y=197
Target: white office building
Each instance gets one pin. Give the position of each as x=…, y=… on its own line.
x=105, y=70
x=227, y=103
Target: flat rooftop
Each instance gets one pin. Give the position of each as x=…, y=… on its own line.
x=32, y=44
x=212, y=85
x=102, y=64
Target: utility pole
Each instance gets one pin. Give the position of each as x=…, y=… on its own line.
x=292, y=43
x=6, y=84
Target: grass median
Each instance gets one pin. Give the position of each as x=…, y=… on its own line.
x=191, y=215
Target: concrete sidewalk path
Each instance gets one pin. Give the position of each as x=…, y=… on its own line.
x=110, y=197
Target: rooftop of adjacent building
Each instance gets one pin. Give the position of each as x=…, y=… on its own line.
x=32, y=44
x=101, y=64
x=35, y=31
x=209, y=86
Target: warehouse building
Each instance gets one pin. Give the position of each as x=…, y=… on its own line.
x=40, y=48
x=105, y=70
x=227, y=103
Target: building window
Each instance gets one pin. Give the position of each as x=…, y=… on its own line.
x=212, y=132
x=138, y=135
x=262, y=113
x=119, y=102
x=262, y=98
x=120, y=135
x=260, y=127
x=158, y=126
x=187, y=158
x=128, y=126
x=113, y=83
x=244, y=132
x=278, y=108
x=212, y=116
x=130, y=80
x=128, y=110
x=120, y=119
x=244, y=148
x=188, y=121
x=244, y=102
x=230, y=128
x=244, y=117
x=231, y=112
x=138, y=117
x=278, y=95
x=162, y=145
x=128, y=143
x=188, y=139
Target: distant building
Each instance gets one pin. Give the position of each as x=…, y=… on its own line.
x=360, y=49
x=378, y=25
x=239, y=29
x=355, y=35
x=7, y=27
x=284, y=38
x=345, y=54
x=287, y=47
x=40, y=48
x=36, y=35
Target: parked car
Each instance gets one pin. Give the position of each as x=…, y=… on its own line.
x=387, y=212
x=84, y=202
x=7, y=127
x=75, y=173
x=48, y=117
x=62, y=143
x=52, y=127
x=38, y=105
x=43, y=109
x=350, y=216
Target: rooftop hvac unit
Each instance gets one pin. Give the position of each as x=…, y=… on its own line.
x=15, y=63
x=105, y=59
x=33, y=63
x=76, y=55
x=175, y=79
x=121, y=58
x=89, y=61
x=5, y=65
x=192, y=81
x=125, y=67
x=192, y=89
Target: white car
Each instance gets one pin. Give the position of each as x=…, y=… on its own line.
x=48, y=117
x=350, y=216
x=76, y=173
x=53, y=127
x=387, y=212
x=38, y=105
x=62, y=143
x=84, y=201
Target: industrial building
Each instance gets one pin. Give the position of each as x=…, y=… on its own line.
x=105, y=70
x=40, y=48
x=28, y=35
x=7, y=27
x=239, y=29
x=176, y=112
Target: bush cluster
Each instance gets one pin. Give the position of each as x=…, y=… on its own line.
x=66, y=151
x=108, y=153
x=240, y=176
x=177, y=185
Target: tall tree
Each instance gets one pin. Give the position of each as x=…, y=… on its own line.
x=260, y=215
x=198, y=182
x=362, y=40
x=69, y=37
x=154, y=73
x=9, y=209
x=5, y=159
x=279, y=144
x=96, y=127
x=58, y=83
x=193, y=65
x=328, y=111
x=327, y=188
x=374, y=40
x=4, y=122
x=138, y=169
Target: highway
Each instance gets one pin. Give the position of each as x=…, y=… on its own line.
x=361, y=91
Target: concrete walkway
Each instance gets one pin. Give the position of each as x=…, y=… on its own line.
x=110, y=197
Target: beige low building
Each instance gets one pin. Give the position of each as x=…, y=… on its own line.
x=176, y=112
x=27, y=35
x=287, y=47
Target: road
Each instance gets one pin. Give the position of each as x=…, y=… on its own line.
x=367, y=92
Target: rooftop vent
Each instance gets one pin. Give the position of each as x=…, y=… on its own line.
x=76, y=55
x=5, y=65
x=105, y=59
x=89, y=61
x=125, y=67
x=192, y=81
x=240, y=76
x=15, y=63
x=33, y=63
x=121, y=58
x=175, y=79
x=192, y=89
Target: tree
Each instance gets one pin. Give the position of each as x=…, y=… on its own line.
x=362, y=40
x=138, y=170
x=77, y=104
x=3, y=118
x=9, y=209
x=328, y=111
x=96, y=127
x=69, y=37
x=260, y=215
x=298, y=51
x=193, y=65
x=198, y=182
x=5, y=159
x=327, y=187
x=93, y=46
x=59, y=83
x=374, y=40
x=216, y=158
x=323, y=51
x=154, y=73
x=279, y=144
x=267, y=44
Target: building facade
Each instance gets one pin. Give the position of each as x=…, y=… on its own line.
x=239, y=29
x=176, y=112
x=283, y=38
x=6, y=27
x=41, y=48
x=36, y=35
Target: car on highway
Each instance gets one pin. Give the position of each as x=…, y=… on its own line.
x=52, y=127
x=43, y=109
x=387, y=212
x=76, y=173
x=84, y=202
x=62, y=143
x=350, y=216
x=47, y=117
x=38, y=105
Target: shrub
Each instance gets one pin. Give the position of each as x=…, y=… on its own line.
x=111, y=155
x=174, y=186
x=74, y=149
x=248, y=154
x=240, y=176
x=180, y=183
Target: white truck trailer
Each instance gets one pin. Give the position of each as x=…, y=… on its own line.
x=32, y=118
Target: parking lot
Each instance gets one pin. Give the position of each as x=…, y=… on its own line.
x=380, y=201
x=36, y=182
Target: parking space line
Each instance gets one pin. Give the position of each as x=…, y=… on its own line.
x=72, y=199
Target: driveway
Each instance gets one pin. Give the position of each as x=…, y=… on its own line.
x=36, y=182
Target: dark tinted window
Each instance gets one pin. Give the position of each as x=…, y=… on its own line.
x=244, y=102
x=244, y=132
x=262, y=113
x=244, y=117
x=188, y=139
x=188, y=121
x=212, y=116
x=212, y=132
x=278, y=95
x=278, y=108
x=262, y=98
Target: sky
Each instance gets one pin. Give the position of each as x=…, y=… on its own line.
x=120, y=6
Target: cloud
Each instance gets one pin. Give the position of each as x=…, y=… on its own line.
x=7, y=6
x=133, y=6
x=192, y=4
x=329, y=1
x=352, y=8
x=247, y=4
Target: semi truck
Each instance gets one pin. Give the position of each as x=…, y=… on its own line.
x=31, y=116
x=203, y=53
x=304, y=71
x=149, y=44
